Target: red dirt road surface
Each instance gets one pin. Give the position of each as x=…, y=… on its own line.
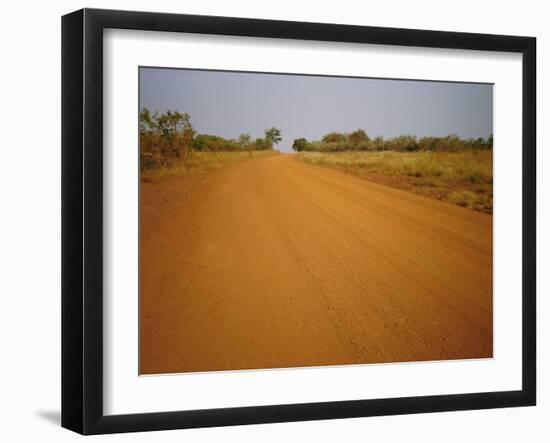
x=273, y=263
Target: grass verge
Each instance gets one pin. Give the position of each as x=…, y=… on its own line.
x=463, y=178
x=201, y=163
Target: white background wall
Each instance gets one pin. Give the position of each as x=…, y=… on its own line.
x=30, y=218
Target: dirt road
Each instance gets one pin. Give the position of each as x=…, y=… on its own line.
x=275, y=263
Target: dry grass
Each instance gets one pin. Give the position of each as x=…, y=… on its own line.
x=201, y=163
x=462, y=178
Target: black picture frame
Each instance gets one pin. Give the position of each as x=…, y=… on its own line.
x=82, y=221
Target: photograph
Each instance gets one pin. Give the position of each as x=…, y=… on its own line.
x=299, y=220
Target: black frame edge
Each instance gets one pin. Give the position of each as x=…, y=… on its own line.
x=283, y=29
x=82, y=322
x=308, y=411
x=93, y=223
x=72, y=117
x=529, y=221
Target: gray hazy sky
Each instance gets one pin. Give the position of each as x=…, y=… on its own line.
x=232, y=103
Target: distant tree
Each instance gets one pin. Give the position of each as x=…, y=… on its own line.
x=334, y=137
x=358, y=138
x=262, y=144
x=451, y=143
x=214, y=143
x=245, y=141
x=300, y=144
x=169, y=123
x=404, y=143
x=428, y=143
x=164, y=124
x=273, y=135
x=167, y=135
x=146, y=121
x=378, y=143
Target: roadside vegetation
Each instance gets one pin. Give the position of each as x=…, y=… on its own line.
x=170, y=145
x=449, y=168
x=359, y=141
x=201, y=163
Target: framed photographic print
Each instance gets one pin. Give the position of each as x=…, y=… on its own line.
x=269, y=221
